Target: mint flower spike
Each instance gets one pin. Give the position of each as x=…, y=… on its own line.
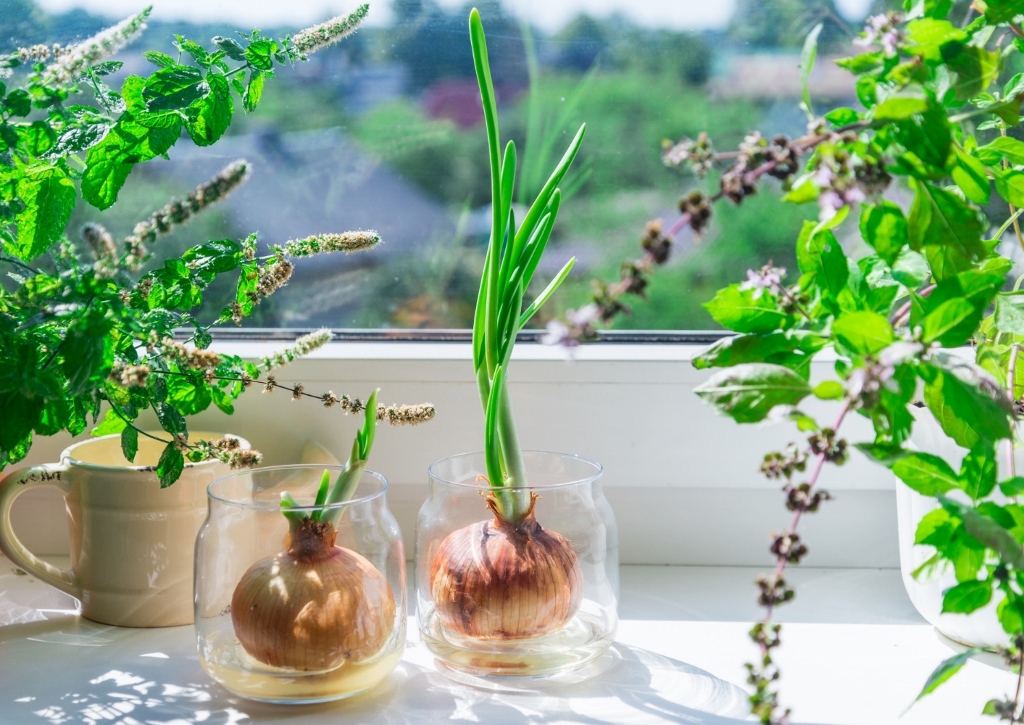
x=73, y=62
x=303, y=346
x=320, y=36
x=347, y=242
x=178, y=212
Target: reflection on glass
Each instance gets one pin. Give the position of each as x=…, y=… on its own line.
x=385, y=131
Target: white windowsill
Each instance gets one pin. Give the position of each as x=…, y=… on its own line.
x=854, y=652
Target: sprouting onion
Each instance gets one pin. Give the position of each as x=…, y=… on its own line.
x=315, y=605
x=530, y=575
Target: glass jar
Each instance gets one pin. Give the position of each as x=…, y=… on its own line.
x=333, y=623
x=569, y=505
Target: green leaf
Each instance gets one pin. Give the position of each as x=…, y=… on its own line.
x=927, y=474
x=129, y=442
x=253, y=91
x=111, y=423
x=884, y=227
x=976, y=68
x=988, y=532
x=1009, y=312
x=911, y=269
x=160, y=59
x=900, y=106
x=748, y=392
x=744, y=310
x=947, y=230
x=48, y=196
x=970, y=397
x=231, y=48
x=188, y=397
x=174, y=88
x=829, y=390
x=970, y=175
x=1003, y=147
x=818, y=252
x=927, y=138
x=792, y=350
x=18, y=102
x=1001, y=11
x=1012, y=487
x=966, y=597
x=170, y=418
x=170, y=466
x=947, y=669
x=110, y=161
x=978, y=471
x=928, y=35
x=1011, y=615
x=210, y=116
x=198, y=52
x=951, y=323
x=863, y=332
x=807, y=57
x=260, y=54
x=1010, y=185
x=842, y=116
x=936, y=528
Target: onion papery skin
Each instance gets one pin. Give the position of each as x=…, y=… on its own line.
x=498, y=580
x=313, y=606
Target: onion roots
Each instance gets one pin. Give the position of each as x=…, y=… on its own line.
x=314, y=606
x=501, y=580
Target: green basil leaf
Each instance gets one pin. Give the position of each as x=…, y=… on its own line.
x=952, y=323
x=966, y=597
x=947, y=669
x=863, y=332
x=1010, y=185
x=748, y=392
x=970, y=395
x=927, y=474
x=978, y=471
x=1003, y=147
x=884, y=227
x=936, y=528
x=971, y=176
x=744, y=310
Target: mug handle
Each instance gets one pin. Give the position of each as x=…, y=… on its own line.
x=48, y=474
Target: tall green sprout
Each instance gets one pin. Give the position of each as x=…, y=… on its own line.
x=512, y=258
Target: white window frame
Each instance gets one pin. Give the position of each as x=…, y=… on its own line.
x=683, y=480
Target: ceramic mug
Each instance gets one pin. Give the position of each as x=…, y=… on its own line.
x=132, y=543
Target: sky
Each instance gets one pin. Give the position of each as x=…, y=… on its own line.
x=550, y=15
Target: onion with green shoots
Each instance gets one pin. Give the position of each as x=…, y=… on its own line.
x=507, y=578
x=316, y=605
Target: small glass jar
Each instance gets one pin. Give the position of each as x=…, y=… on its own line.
x=569, y=504
x=245, y=528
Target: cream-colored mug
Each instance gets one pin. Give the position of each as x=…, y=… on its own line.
x=132, y=543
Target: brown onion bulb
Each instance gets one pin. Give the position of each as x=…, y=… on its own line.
x=314, y=605
x=498, y=580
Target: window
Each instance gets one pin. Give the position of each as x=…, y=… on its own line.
x=384, y=131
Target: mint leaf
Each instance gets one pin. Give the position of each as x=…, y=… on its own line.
x=171, y=464
x=49, y=197
x=253, y=91
x=129, y=442
x=210, y=116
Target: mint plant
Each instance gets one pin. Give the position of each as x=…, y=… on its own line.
x=81, y=325
x=941, y=104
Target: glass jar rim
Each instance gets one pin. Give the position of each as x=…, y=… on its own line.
x=276, y=506
x=598, y=470
x=67, y=455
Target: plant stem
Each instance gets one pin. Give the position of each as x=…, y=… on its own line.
x=1013, y=210
x=131, y=424
x=18, y=263
x=1011, y=384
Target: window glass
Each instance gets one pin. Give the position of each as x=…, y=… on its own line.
x=384, y=131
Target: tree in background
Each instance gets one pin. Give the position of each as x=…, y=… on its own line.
x=785, y=23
